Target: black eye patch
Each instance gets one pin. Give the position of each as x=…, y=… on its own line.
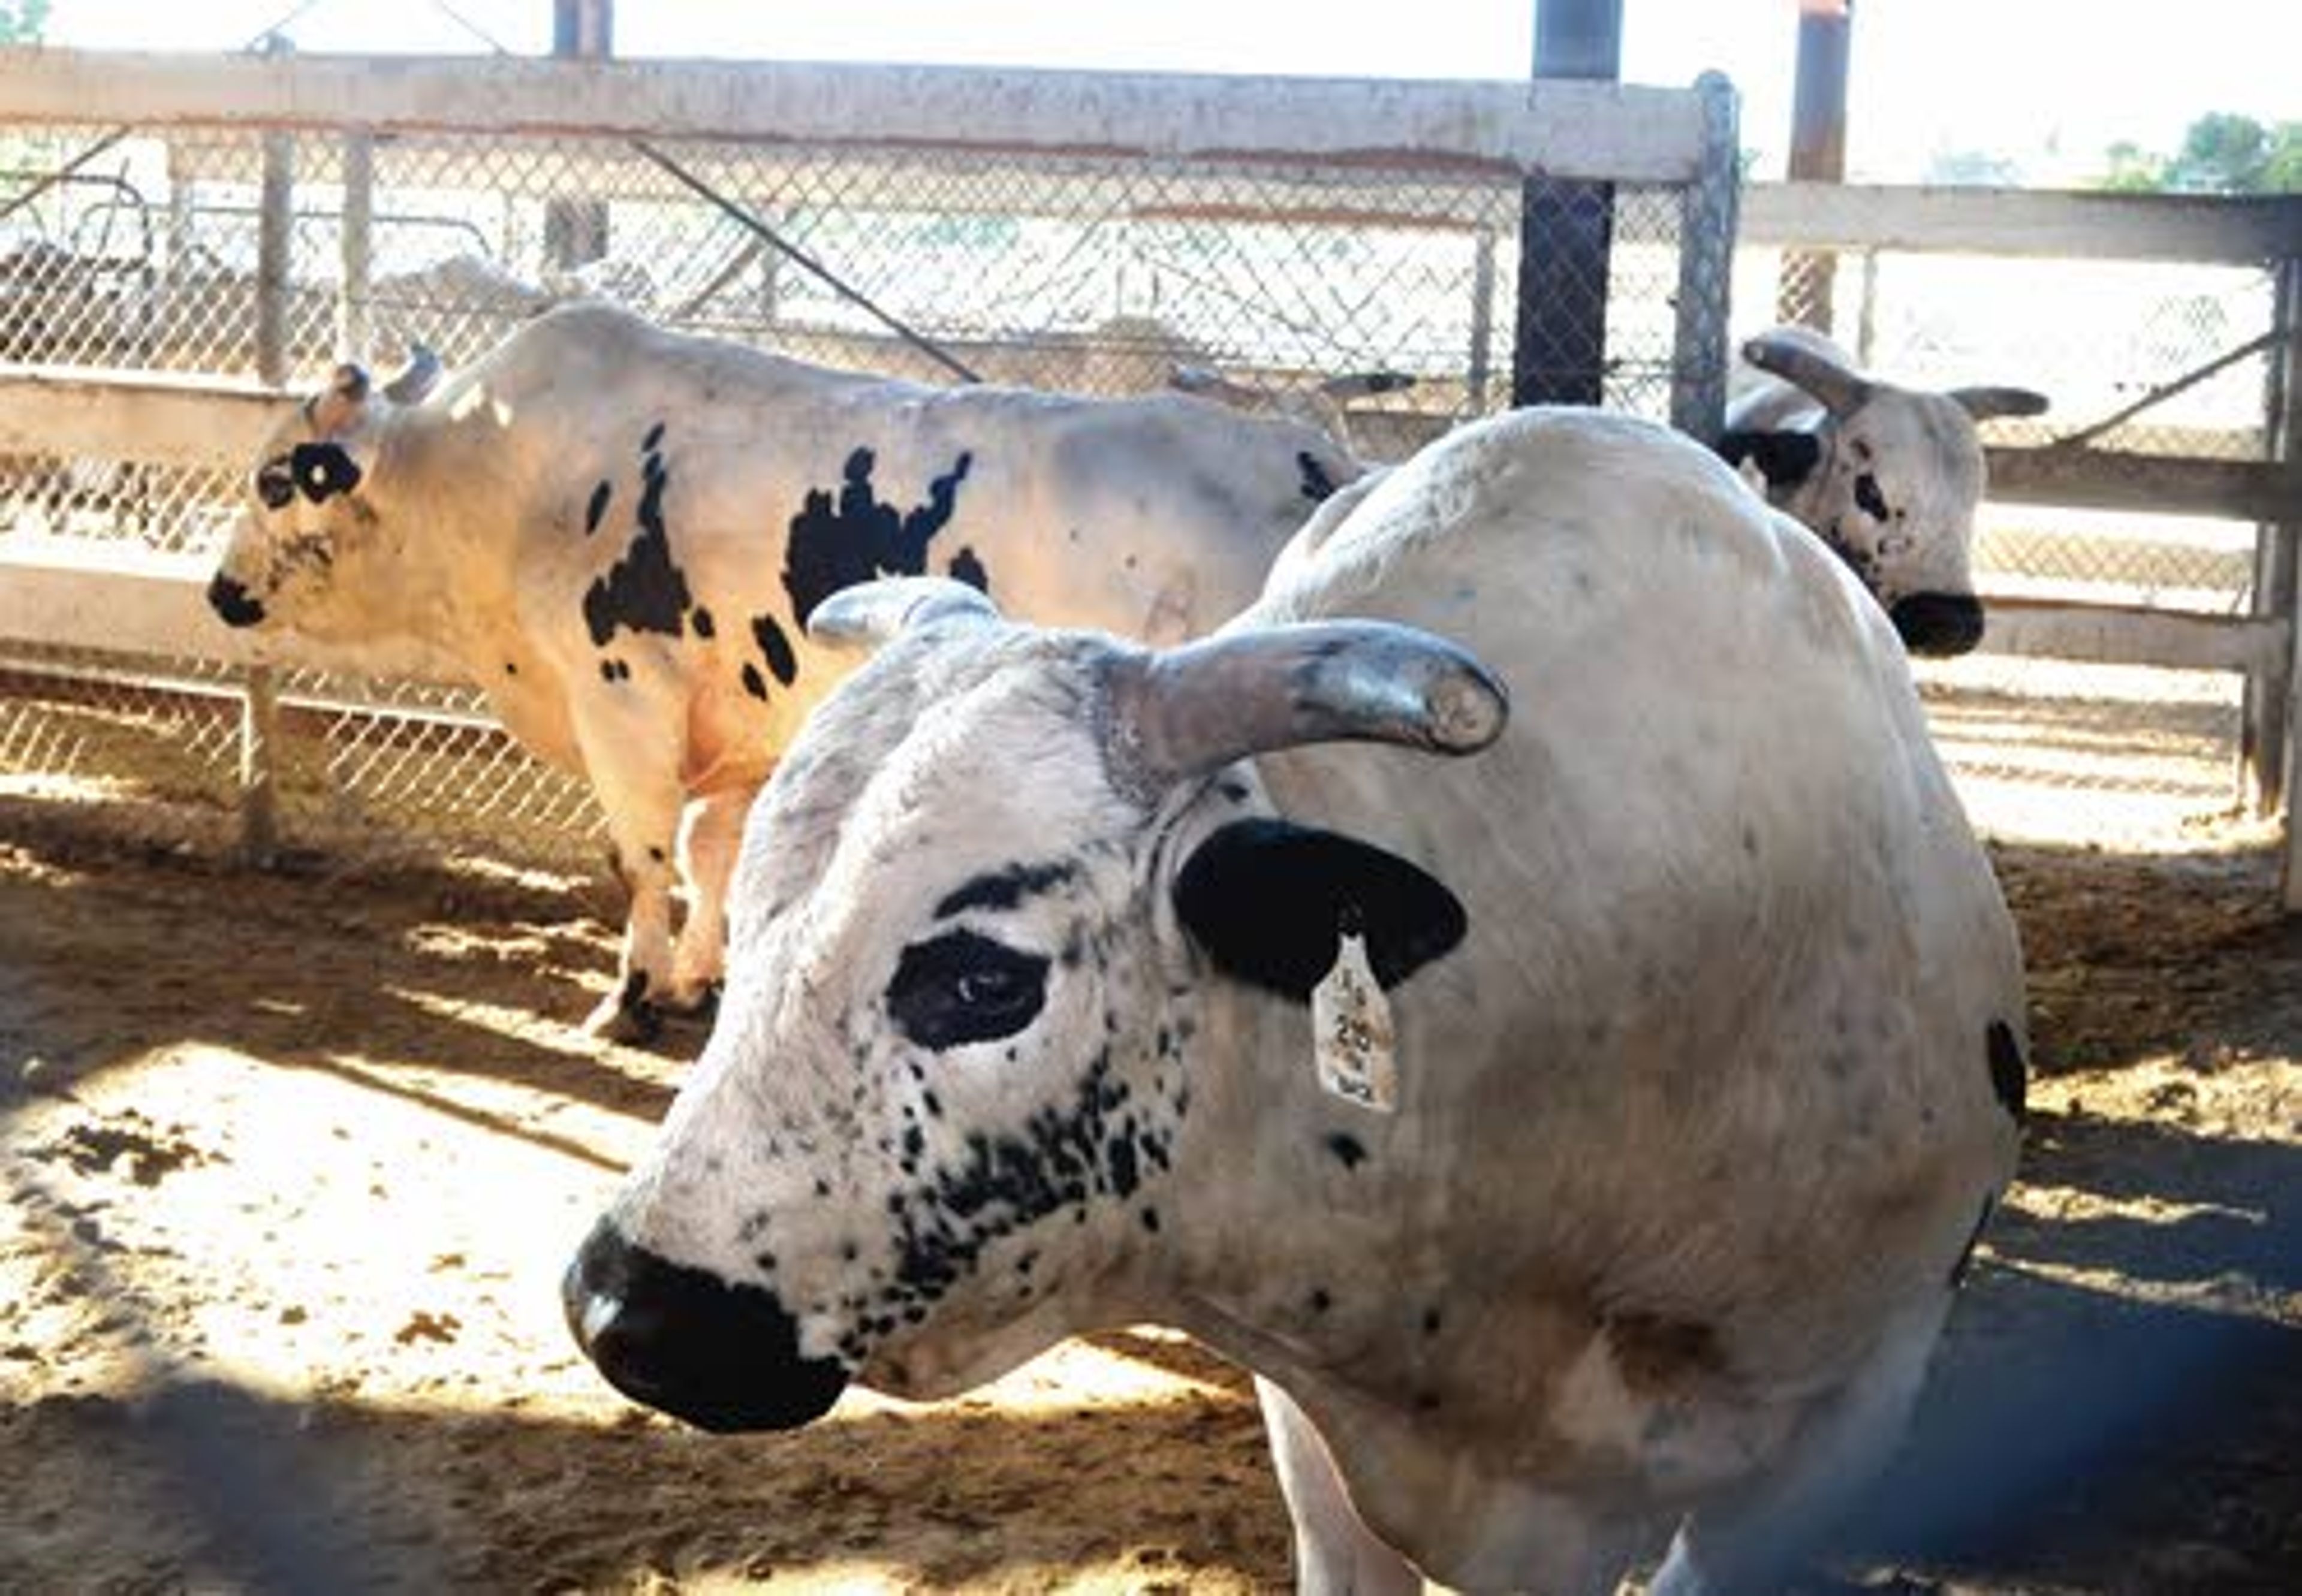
x=961, y=988
x=321, y=471
x=1868, y=499
x=275, y=484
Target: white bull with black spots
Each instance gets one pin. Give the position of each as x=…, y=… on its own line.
x=1707, y=1018
x=1890, y=477
x=619, y=531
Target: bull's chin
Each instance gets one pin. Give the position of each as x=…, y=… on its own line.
x=788, y=1405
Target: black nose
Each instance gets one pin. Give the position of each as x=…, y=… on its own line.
x=722, y=1357
x=1938, y=624
x=232, y=602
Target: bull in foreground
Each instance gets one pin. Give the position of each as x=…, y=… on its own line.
x=618, y=532
x=1578, y=1137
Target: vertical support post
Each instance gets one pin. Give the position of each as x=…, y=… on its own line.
x=1483, y=324
x=576, y=230
x=356, y=243
x=1817, y=150
x=1707, y=213
x=259, y=815
x=1866, y=313
x=260, y=744
x=2274, y=705
x=1566, y=227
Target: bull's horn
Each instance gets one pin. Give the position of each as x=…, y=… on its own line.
x=1841, y=389
x=872, y=613
x=1195, y=709
x=1983, y=403
x=415, y=379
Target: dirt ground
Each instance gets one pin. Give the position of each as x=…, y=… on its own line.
x=292, y=1160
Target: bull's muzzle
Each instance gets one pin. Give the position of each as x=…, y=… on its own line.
x=1938, y=624
x=723, y=1357
x=234, y=602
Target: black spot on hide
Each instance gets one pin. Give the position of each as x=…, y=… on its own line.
x=2008, y=1076
x=1868, y=499
x=1006, y=1181
x=598, y=506
x=1784, y=459
x=645, y=591
x=702, y=623
x=775, y=649
x=838, y=543
x=968, y=568
x=1004, y=888
x=1317, y=485
x=754, y=683
x=1348, y=1150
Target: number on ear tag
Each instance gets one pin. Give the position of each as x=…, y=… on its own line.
x=1351, y=1019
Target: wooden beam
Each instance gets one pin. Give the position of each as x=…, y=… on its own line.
x=2229, y=230
x=2124, y=634
x=1628, y=132
x=60, y=595
x=2150, y=484
x=174, y=420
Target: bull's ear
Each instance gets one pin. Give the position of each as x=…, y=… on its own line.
x=338, y=409
x=1266, y=899
x=1784, y=459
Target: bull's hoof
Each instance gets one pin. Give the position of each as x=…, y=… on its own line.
x=698, y=1006
x=628, y=1016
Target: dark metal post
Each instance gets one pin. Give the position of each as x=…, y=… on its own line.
x=576, y=230
x=1802, y=293
x=2269, y=706
x=1566, y=227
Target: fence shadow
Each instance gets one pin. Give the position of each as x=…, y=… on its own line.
x=109, y=953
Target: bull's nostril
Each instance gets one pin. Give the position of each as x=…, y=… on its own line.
x=721, y=1357
x=234, y=602
x=1938, y=624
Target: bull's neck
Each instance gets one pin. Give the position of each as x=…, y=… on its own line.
x=448, y=515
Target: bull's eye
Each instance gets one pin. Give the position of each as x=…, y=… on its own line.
x=1868, y=499
x=275, y=484
x=961, y=988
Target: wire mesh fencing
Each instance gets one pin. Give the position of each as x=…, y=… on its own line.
x=1374, y=300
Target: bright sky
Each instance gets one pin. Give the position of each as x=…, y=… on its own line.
x=2050, y=83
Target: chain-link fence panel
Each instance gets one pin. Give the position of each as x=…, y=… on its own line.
x=1368, y=298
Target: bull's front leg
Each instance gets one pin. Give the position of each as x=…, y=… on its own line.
x=709, y=843
x=634, y=772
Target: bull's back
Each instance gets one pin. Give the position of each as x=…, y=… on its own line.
x=1156, y=517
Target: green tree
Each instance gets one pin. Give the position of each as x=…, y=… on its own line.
x=22, y=21
x=2223, y=152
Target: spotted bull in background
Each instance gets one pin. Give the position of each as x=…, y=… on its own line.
x=1597, y=788
x=620, y=531
x=1889, y=477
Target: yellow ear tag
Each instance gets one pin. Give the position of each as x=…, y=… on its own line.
x=1350, y=1019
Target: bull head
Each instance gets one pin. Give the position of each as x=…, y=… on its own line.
x=957, y=933
x=305, y=513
